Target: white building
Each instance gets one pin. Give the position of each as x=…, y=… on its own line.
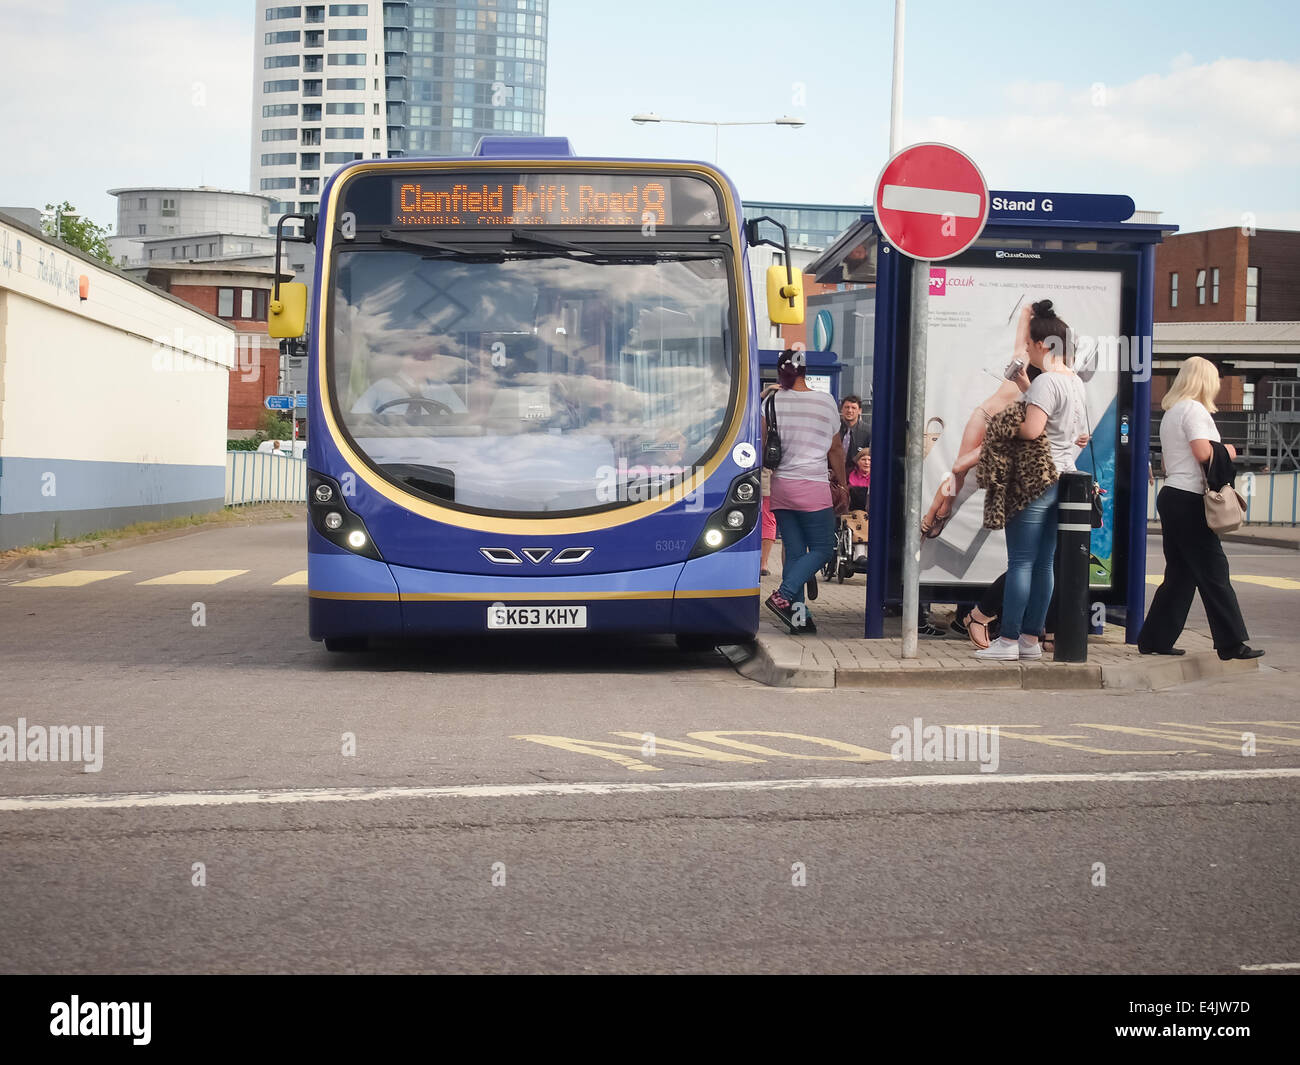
x=319, y=98
x=113, y=396
x=198, y=223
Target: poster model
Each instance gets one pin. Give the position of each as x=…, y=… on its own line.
x=970, y=341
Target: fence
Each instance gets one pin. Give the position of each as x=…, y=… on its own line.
x=1271, y=498
x=260, y=477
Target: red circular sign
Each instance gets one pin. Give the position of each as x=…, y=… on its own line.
x=931, y=201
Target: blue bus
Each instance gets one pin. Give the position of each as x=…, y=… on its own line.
x=533, y=397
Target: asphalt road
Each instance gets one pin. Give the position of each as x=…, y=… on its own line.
x=265, y=806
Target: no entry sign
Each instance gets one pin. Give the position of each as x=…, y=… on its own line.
x=931, y=201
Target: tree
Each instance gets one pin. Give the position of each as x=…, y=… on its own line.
x=79, y=232
x=272, y=425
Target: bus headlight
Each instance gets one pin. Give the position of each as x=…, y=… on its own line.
x=333, y=519
x=732, y=521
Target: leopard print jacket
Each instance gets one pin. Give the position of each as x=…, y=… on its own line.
x=1013, y=472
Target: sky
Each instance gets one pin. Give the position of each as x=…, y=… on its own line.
x=1192, y=108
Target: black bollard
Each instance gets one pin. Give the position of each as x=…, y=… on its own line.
x=1073, y=546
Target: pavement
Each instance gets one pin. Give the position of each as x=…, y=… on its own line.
x=581, y=805
x=839, y=656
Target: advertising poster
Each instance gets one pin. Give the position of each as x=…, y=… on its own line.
x=973, y=313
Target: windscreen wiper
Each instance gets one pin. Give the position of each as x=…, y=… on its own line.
x=519, y=236
x=419, y=240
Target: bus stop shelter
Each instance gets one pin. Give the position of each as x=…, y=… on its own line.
x=1098, y=267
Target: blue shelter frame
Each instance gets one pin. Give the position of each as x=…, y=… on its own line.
x=1097, y=227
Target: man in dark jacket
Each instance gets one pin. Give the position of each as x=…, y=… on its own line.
x=855, y=430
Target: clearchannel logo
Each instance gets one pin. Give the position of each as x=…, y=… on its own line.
x=1000, y=254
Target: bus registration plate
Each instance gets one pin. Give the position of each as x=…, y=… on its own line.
x=536, y=617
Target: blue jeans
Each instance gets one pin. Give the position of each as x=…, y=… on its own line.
x=1031, y=550
x=808, y=537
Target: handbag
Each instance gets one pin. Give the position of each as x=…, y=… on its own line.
x=772, y=444
x=1225, y=510
x=1097, y=515
x=839, y=497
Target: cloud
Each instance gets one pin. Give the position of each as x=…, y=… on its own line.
x=100, y=95
x=1231, y=112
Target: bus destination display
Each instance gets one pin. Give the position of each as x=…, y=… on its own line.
x=553, y=199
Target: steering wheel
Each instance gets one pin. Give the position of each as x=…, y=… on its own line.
x=431, y=405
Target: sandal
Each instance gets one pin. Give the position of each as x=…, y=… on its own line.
x=977, y=631
x=1048, y=643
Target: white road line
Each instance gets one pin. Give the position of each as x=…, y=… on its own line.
x=1273, y=965
x=288, y=796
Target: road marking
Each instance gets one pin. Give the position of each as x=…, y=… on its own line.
x=297, y=579
x=294, y=796
x=73, y=578
x=1285, y=584
x=1270, y=966
x=196, y=576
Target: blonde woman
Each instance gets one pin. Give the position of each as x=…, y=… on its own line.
x=1194, y=558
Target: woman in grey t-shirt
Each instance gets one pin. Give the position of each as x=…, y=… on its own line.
x=1055, y=408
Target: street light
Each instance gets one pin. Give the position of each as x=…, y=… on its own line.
x=646, y=117
x=59, y=216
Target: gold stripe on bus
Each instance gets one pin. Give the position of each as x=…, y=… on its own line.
x=569, y=597
x=535, y=526
x=507, y=597
x=366, y=597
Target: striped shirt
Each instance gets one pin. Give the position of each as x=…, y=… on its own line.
x=808, y=424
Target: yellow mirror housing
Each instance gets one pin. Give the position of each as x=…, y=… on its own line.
x=288, y=314
x=780, y=294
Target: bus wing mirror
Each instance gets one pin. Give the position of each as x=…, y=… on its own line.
x=784, y=297
x=288, y=311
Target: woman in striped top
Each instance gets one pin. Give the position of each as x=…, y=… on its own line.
x=808, y=423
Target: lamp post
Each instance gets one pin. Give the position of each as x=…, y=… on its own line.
x=646, y=117
x=59, y=216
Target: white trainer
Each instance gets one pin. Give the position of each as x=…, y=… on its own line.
x=1000, y=650
x=1030, y=649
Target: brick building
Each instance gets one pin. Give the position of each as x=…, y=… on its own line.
x=239, y=292
x=1227, y=276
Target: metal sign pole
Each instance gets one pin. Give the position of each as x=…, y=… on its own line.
x=914, y=454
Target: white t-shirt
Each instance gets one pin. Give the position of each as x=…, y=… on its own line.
x=1185, y=421
x=1062, y=397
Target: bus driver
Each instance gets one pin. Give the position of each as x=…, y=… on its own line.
x=411, y=387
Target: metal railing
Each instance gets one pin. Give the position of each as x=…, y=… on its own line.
x=1271, y=498
x=260, y=477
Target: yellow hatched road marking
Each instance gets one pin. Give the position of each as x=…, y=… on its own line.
x=74, y=578
x=196, y=576
x=298, y=579
x=1285, y=584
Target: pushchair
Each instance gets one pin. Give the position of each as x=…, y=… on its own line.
x=850, y=555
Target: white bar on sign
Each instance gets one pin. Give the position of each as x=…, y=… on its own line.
x=931, y=201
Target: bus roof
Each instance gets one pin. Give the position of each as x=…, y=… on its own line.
x=522, y=147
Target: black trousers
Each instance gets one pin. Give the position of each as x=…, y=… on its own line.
x=990, y=602
x=1194, y=562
